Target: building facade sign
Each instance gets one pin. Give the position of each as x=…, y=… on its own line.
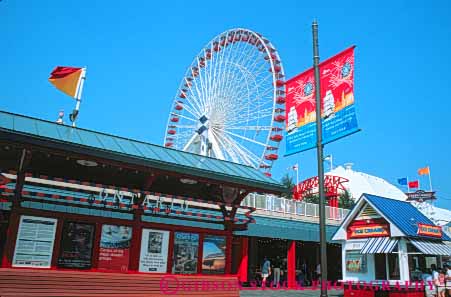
x=429, y=230
x=370, y=230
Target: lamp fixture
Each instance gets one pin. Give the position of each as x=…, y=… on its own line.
x=188, y=181
x=87, y=163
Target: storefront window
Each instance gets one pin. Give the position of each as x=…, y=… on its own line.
x=393, y=266
x=380, y=266
x=114, y=250
x=186, y=249
x=76, y=246
x=213, y=256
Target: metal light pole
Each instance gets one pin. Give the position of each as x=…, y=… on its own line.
x=319, y=149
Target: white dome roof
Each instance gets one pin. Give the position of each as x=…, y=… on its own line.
x=360, y=183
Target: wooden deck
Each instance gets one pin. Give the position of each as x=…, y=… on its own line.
x=51, y=283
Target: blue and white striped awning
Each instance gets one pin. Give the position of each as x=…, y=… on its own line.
x=430, y=247
x=379, y=245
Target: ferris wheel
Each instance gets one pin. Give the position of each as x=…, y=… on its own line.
x=229, y=104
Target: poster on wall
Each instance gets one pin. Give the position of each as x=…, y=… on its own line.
x=337, y=103
x=186, y=249
x=76, y=245
x=114, y=252
x=355, y=262
x=154, y=251
x=34, y=244
x=213, y=256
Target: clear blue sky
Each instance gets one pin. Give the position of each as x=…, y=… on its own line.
x=138, y=51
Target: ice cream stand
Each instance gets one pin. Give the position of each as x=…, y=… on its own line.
x=389, y=244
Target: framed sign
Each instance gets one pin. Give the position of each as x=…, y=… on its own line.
x=76, y=245
x=355, y=262
x=154, y=251
x=114, y=253
x=34, y=244
x=186, y=250
x=213, y=256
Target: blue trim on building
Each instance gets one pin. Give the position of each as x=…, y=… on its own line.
x=402, y=214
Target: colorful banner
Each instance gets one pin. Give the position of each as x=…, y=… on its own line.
x=76, y=246
x=114, y=253
x=186, y=249
x=337, y=104
x=34, y=244
x=366, y=231
x=154, y=251
x=429, y=230
x=213, y=255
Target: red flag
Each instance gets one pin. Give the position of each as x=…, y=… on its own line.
x=414, y=184
x=66, y=79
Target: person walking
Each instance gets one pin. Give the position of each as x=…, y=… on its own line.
x=277, y=265
x=318, y=272
x=266, y=270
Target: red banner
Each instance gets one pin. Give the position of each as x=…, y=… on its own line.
x=429, y=230
x=337, y=103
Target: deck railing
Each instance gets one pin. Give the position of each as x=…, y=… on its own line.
x=288, y=206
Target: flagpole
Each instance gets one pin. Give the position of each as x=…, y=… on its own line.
x=319, y=150
x=407, y=185
x=430, y=181
x=78, y=97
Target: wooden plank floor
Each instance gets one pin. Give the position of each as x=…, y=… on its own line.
x=50, y=283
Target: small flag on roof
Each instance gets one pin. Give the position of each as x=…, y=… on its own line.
x=423, y=171
x=414, y=184
x=402, y=181
x=67, y=79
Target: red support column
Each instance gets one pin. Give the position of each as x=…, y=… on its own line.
x=170, y=252
x=135, y=246
x=11, y=236
x=228, y=266
x=243, y=268
x=96, y=247
x=57, y=244
x=200, y=253
x=291, y=258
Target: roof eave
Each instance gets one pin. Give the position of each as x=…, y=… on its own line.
x=24, y=138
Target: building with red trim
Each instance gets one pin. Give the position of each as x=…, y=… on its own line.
x=75, y=200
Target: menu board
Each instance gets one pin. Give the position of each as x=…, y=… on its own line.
x=355, y=262
x=213, y=256
x=76, y=245
x=34, y=244
x=114, y=253
x=186, y=249
x=154, y=251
